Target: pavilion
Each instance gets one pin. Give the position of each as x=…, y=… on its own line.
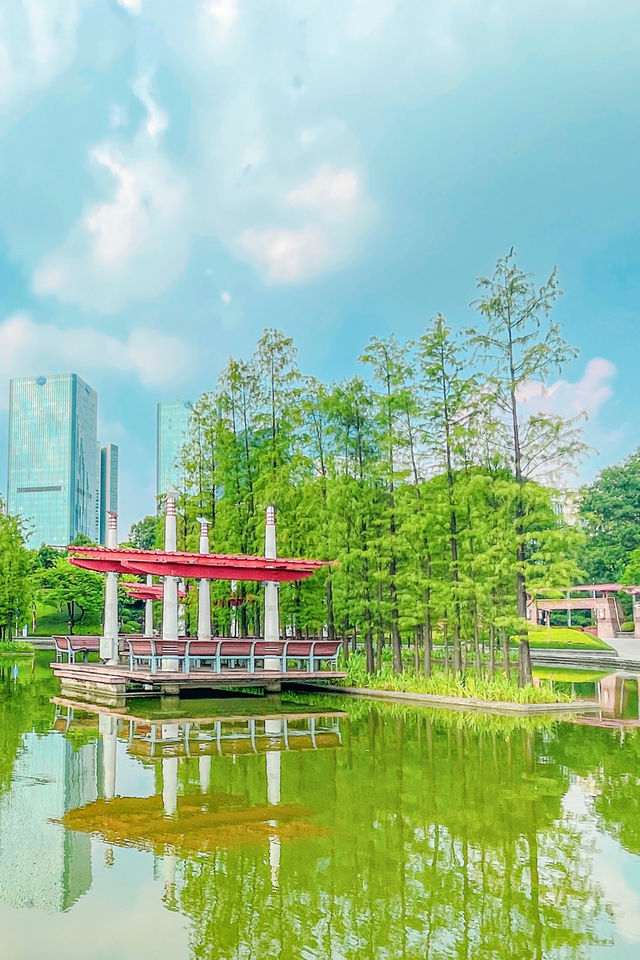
x=171, y=567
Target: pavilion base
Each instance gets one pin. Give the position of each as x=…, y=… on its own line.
x=113, y=686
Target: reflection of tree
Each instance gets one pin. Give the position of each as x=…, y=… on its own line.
x=442, y=842
x=24, y=706
x=610, y=760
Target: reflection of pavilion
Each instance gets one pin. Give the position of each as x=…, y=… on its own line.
x=176, y=823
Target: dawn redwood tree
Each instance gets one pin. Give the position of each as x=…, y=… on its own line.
x=520, y=343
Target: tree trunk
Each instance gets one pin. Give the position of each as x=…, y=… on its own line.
x=368, y=647
x=525, y=675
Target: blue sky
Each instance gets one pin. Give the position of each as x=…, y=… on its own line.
x=174, y=177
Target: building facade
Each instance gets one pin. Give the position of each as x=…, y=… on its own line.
x=108, y=486
x=54, y=462
x=173, y=431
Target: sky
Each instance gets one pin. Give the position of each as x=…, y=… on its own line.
x=177, y=176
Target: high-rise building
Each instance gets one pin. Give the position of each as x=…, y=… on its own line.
x=54, y=463
x=108, y=486
x=173, y=432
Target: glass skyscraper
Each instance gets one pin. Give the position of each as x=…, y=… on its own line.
x=173, y=432
x=54, y=458
x=108, y=486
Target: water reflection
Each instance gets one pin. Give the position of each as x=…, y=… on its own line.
x=250, y=828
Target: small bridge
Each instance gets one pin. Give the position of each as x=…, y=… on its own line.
x=600, y=598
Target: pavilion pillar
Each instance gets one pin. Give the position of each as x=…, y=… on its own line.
x=170, y=786
x=107, y=728
x=271, y=591
x=204, y=591
x=273, y=760
x=234, y=632
x=204, y=772
x=170, y=584
x=148, y=611
x=109, y=638
x=182, y=610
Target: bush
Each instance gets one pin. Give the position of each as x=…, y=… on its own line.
x=496, y=689
x=628, y=626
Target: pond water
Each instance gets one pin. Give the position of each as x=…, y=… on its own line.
x=314, y=827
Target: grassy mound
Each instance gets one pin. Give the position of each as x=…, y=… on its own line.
x=564, y=638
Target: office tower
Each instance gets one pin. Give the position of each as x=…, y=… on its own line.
x=53, y=458
x=173, y=432
x=108, y=486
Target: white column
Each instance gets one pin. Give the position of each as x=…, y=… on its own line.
x=204, y=770
x=271, y=608
x=107, y=728
x=182, y=611
x=234, y=609
x=148, y=611
x=170, y=773
x=109, y=638
x=204, y=593
x=170, y=584
x=274, y=778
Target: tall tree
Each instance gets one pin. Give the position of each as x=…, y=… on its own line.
x=521, y=343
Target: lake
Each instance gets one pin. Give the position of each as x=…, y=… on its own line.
x=308, y=826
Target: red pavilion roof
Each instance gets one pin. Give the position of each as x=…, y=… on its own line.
x=144, y=591
x=198, y=566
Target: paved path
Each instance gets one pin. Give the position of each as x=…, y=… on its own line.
x=628, y=647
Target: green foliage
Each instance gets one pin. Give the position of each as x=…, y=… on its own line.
x=406, y=476
x=79, y=592
x=610, y=515
x=494, y=689
x=16, y=565
x=143, y=533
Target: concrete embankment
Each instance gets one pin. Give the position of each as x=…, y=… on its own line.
x=460, y=703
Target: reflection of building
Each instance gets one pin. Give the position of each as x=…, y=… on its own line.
x=173, y=432
x=42, y=864
x=108, y=486
x=54, y=457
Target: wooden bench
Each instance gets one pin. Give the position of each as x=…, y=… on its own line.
x=249, y=651
x=72, y=645
x=152, y=649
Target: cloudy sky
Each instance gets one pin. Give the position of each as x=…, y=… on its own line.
x=175, y=176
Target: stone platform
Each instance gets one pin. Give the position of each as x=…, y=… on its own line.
x=113, y=686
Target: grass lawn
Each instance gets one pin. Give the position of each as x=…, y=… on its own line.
x=49, y=621
x=564, y=638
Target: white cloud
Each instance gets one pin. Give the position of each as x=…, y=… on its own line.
x=28, y=348
x=332, y=194
x=585, y=396
x=157, y=121
x=133, y=6
x=133, y=244
x=223, y=12
x=287, y=256
x=225, y=296
x=37, y=42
